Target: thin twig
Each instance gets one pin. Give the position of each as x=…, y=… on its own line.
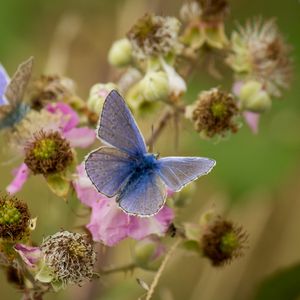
x=161, y=269
x=162, y=122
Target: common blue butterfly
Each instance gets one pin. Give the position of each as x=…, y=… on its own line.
x=12, y=107
x=123, y=168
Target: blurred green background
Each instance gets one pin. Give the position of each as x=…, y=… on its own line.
x=257, y=178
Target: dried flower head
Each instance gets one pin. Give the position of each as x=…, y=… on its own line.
x=69, y=256
x=214, y=113
x=154, y=35
x=14, y=219
x=259, y=52
x=49, y=89
x=211, y=11
x=48, y=153
x=223, y=241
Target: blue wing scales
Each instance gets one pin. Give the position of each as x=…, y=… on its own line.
x=143, y=195
x=177, y=172
x=108, y=169
x=118, y=127
x=4, y=80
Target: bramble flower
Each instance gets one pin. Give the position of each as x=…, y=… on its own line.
x=59, y=127
x=14, y=219
x=222, y=241
x=30, y=255
x=154, y=36
x=51, y=89
x=204, y=23
x=214, y=113
x=68, y=258
x=260, y=53
x=48, y=153
x=109, y=224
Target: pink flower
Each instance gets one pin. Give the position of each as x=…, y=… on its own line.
x=78, y=137
x=30, y=255
x=109, y=224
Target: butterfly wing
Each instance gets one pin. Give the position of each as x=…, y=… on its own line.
x=118, y=127
x=108, y=169
x=16, y=88
x=143, y=195
x=177, y=172
x=4, y=80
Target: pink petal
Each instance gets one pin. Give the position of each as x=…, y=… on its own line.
x=139, y=228
x=252, y=119
x=70, y=119
x=236, y=88
x=108, y=223
x=80, y=137
x=30, y=255
x=21, y=175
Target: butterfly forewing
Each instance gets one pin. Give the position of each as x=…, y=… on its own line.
x=17, y=86
x=108, y=169
x=143, y=195
x=176, y=172
x=118, y=128
x=4, y=80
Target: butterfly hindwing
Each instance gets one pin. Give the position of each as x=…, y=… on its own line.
x=143, y=195
x=16, y=88
x=118, y=127
x=108, y=168
x=177, y=172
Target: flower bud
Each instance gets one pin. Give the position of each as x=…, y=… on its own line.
x=97, y=96
x=154, y=86
x=120, y=54
x=254, y=98
x=148, y=254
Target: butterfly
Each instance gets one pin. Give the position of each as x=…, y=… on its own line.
x=12, y=107
x=123, y=167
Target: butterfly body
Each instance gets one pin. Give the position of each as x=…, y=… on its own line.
x=12, y=116
x=125, y=170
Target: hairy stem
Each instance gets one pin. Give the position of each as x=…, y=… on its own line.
x=161, y=269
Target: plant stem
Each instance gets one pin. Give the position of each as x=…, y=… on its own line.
x=161, y=269
x=162, y=122
x=125, y=268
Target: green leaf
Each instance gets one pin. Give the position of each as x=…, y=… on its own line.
x=284, y=284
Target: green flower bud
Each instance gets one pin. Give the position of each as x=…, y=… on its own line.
x=155, y=86
x=120, y=54
x=97, y=96
x=148, y=254
x=254, y=98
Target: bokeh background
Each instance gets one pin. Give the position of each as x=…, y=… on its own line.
x=257, y=178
